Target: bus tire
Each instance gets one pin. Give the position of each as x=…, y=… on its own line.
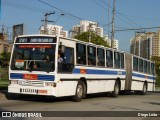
x=144, y=90
x=115, y=93
x=80, y=92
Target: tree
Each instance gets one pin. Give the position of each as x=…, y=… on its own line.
x=4, y=59
x=156, y=59
x=157, y=64
x=95, y=39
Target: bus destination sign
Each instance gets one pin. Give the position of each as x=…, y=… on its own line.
x=36, y=40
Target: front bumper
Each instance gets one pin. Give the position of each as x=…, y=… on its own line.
x=47, y=91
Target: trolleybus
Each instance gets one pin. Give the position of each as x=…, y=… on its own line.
x=56, y=66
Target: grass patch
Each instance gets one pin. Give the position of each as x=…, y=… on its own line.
x=3, y=86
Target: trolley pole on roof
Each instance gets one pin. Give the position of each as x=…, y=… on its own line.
x=46, y=21
x=113, y=25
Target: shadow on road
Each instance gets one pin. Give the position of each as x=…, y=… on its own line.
x=37, y=98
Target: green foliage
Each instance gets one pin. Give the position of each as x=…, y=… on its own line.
x=95, y=39
x=157, y=68
x=157, y=64
x=4, y=59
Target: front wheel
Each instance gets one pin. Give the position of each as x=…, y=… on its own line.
x=115, y=93
x=80, y=91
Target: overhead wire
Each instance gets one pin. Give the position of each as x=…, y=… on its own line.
x=62, y=11
x=121, y=14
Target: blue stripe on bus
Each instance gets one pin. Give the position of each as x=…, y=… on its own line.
x=143, y=76
x=103, y=72
x=111, y=72
x=46, y=77
x=40, y=77
x=16, y=76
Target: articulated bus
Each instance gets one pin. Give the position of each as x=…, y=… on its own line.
x=85, y=68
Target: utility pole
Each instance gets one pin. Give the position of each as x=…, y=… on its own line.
x=113, y=25
x=90, y=34
x=46, y=21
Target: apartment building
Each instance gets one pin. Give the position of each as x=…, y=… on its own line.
x=156, y=44
x=142, y=44
x=54, y=30
x=86, y=26
x=115, y=43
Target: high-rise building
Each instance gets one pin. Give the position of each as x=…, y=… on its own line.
x=108, y=40
x=86, y=26
x=141, y=45
x=54, y=30
x=156, y=44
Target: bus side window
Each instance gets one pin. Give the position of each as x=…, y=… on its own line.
x=91, y=55
x=152, y=69
x=109, y=58
x=68, y=63
x=116, y=60
x=148, y=67
x=81, y=54
x=135, y=64
x=100, y=57
x=145, y=66
x=140, y=65
x=122, y=60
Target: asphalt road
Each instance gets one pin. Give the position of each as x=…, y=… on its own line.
x=98, y=102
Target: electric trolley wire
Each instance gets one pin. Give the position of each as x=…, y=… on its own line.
x=121, y=14
x=60, y=10
x=116, y=15
x=130, y=29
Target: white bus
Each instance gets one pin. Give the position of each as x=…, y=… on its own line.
x=56, y=66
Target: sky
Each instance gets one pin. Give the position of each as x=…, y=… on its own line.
x=130, y=14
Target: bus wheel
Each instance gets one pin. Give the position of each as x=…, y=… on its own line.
x=144, y=90
x=115, y=93
x=80, y=91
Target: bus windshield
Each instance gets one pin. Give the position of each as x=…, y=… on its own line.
x=33, y=57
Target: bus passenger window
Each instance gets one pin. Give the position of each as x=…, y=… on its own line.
x=109, y=58
x=148, y=67
x=91, y=55
x=100, y=57
x=135, y=64
x=67, y=64
x=81, y=54
x=122, y=60
x=152, y=69
x=145, y=66
x=140, y=65
x=116, y=60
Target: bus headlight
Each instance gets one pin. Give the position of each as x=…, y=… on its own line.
x=50, y=84
x=14, y=82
